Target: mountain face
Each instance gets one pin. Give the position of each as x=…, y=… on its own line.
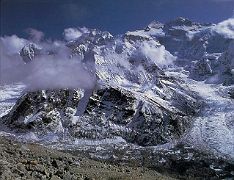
x=189, y=40
x=151, y=88
x=29, y=52
x=133, y=98
x=201, y=48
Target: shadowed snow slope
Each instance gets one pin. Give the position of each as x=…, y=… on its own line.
x=213, y=129
x=8, y=97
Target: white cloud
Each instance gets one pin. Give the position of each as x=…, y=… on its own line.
x=56, y=72
x=46, y=71
x=12, y=44
x=159, y=55
x=35, y=34
x=225, y=28
x=72, y=33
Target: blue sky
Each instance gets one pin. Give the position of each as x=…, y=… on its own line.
x=115, y=16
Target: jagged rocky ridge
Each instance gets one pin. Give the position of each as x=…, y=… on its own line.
x=200, y=48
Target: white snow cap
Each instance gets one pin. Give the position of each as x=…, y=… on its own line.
x=225, y=28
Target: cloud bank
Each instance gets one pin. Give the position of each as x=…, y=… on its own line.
x=159, y=55
x=225, y=28
x=35, y=35
x=48, y=70
x=72, y=33
x=12, y=44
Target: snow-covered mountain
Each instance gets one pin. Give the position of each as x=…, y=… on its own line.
x=132, y=96
x=200, y=48
x=156, y=87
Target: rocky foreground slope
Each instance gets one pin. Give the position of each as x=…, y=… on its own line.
x=30, y=161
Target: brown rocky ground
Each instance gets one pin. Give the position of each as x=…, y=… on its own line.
x=31, y=161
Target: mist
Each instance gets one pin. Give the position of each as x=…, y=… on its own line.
x=159, y=55
x=225, y=28
x=54, y=70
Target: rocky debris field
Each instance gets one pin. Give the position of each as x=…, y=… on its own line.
x=180, y=162
x=31, y=161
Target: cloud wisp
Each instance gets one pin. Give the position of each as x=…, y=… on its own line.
x=225, y=28
x=35, y=35
x=46, y=71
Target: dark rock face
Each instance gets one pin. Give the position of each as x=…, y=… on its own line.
x=231, y=93
x=42, y=110
x=226, y=66
x=215, y=68
x=29, y=52
x=109, y=112
x=178, y=40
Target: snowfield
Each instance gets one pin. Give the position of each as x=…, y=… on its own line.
x=8, y=96
x=213, y=129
